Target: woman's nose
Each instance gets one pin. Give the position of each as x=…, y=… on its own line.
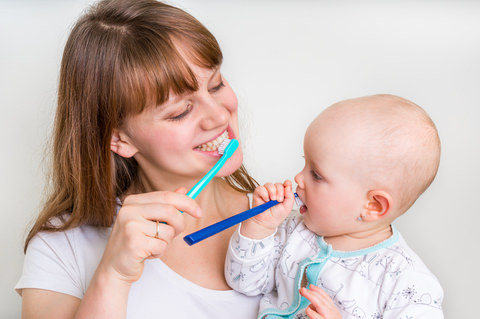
x=215, y=114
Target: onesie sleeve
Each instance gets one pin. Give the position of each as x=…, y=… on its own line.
x=415, y=295
x=249, y=266
x=50, y=264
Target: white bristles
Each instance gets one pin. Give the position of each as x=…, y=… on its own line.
x=223, y=146
x=298, y=201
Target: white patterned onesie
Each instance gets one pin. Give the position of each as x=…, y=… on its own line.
x=387, y=280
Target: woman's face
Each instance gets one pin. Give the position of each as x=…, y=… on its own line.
x=169, y=142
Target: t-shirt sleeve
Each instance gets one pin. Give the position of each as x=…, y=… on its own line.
x=415, y=295
x=50, y=264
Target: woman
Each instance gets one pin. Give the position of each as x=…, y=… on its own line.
x=141, y=98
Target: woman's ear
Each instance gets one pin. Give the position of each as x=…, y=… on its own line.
x=378, y=205
x=121, y=144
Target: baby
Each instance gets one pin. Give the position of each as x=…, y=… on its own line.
x=367, y=160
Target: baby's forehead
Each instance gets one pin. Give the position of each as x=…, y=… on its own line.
x=380, y=112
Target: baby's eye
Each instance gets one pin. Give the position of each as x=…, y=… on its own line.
x=316, y=176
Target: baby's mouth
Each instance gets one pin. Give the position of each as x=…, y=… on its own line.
x=214, y=144
x=301, y=205
x=302, y=209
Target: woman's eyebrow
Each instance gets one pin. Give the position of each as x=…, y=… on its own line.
x=215, y=70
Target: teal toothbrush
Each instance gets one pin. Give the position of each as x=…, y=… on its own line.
x=227, y=148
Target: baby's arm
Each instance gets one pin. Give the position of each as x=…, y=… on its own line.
x=251, y=255
x=321, y=305
x=265, y=224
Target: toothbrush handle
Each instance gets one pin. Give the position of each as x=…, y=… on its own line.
x=213, y=229
x=195, y=190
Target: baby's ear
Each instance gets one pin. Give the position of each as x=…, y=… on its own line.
x=378, y=205
x=121, y=144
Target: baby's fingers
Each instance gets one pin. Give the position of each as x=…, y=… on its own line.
x=312, y=314
x=321, y=302
x=272, y=191
x=289, y=198
x=280, y=192
x=260, y=195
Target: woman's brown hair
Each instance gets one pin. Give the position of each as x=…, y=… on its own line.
x=119, y=59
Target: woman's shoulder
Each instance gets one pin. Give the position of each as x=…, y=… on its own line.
x=63, y=261
x=82, y=234
x=72, y=242
x=74, y=245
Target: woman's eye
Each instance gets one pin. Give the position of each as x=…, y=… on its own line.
x=218, y=87
x=181, y=115
x=316, y=176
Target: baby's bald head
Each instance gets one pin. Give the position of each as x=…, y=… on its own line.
x=391, y=143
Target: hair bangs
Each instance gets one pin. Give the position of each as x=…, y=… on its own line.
x=156, y=67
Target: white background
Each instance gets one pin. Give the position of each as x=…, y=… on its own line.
x=287, y=60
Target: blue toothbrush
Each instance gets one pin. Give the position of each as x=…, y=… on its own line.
x=213, y=229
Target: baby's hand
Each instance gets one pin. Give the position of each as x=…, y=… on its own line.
x=321, y=305
x=264, y=224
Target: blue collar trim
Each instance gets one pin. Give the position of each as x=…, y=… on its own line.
x=345, y=254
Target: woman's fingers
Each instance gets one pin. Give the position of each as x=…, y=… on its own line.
x=176, y=199
x=144, y=227
x=159, y=239
x=159, y=230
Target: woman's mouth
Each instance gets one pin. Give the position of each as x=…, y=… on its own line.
x=212, y=145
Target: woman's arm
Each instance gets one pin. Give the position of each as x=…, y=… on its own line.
x=104, y=299
x=132, y=240
x=40, y=303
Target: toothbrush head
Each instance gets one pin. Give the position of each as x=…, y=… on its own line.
x=228, y=147
x=298, y=201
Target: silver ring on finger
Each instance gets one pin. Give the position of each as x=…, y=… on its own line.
x=157, y=232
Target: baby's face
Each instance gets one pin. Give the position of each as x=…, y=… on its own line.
x=329, y=183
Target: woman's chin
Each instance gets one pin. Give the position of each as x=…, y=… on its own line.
x=232, y=164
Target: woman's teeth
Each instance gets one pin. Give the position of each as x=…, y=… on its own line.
x=213, y=145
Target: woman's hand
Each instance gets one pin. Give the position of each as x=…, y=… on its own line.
x=134, y=236
x=264, y=224
x=321, y=305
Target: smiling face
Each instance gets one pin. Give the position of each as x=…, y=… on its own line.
x=171, y=141
x=329, y=183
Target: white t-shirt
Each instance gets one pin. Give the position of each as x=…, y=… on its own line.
x=66, y=261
